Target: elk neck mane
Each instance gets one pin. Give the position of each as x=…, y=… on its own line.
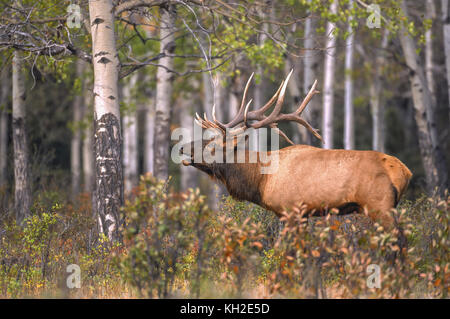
x=242, y=180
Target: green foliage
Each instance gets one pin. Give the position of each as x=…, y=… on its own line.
x=161, y=233
x=34, y=258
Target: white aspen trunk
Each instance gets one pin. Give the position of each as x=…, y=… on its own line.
x=260, y=86
x=432, y=156
x=233, y=98
x=107, y=131
x=219, y=96
x=349, y=129
x=189, y=174
x=429, y=65
x=4, y=107
x=208, y=94
x=75, y=145
x=22, y=178
x=88, y=160
x=446, y=27
x=164, y=95
x=376, y=100
x=149, y=125
x=300, y=133
x=217, y=190
x=130, y=137
x=310, y=63
x=87, y=148
x=328, y=84
x=149, y=154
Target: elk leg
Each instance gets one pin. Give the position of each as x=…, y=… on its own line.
x=380, y=212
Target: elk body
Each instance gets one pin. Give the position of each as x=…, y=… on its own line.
x=318, y=178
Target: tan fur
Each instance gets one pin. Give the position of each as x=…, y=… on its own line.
x=323, y=179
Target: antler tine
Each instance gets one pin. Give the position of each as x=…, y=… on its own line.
x=205, y=123
x=277, y=109
x=239, y=116
x=244, y=96
x=219, y=124
x=246, y=111
x=259, y=113
x=308, y=98
x=281, y=133
x=261, y=120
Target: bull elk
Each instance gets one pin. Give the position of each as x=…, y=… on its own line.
x=320, y=179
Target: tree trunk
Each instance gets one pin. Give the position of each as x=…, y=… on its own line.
x=189, y=174
x=4, y=107
x=88, y=138
x=328, y=85
x=349, y=129
x=233, y=99
x=22, y=178
x=310, y=63
x=432, y=156
x=164, y=95
x=75, y=145
x=429, y=65
x=130, y=138
x=108, y=138
x=300, y=133
x=446, y=26
x=217, y=190
x=376, y=99
x=149, y=154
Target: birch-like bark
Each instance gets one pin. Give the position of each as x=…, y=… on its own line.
x=432, y=155
x=311, y=63
x=75, y=144
x=328, y=84
x=376, y=98
x=22, y=178
x=149, y=153
x=233, y=98
x=300, y=133
x=107, y=130
x=189, y=174
x=87, y=147
x=217, y=190
x=149, y=114
x=446, y=26
x=164, y=94
x=4, y=107
x=130, y=137
x=260, y=86
x=349, y=129
x=88, y=160
x=429, y=65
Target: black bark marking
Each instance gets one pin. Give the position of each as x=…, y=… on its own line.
x=108, y=171
x=101, y=53
x=104, y=60
x=111, y=97
x=98, y=21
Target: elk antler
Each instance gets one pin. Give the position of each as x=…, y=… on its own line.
x=258, y=116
